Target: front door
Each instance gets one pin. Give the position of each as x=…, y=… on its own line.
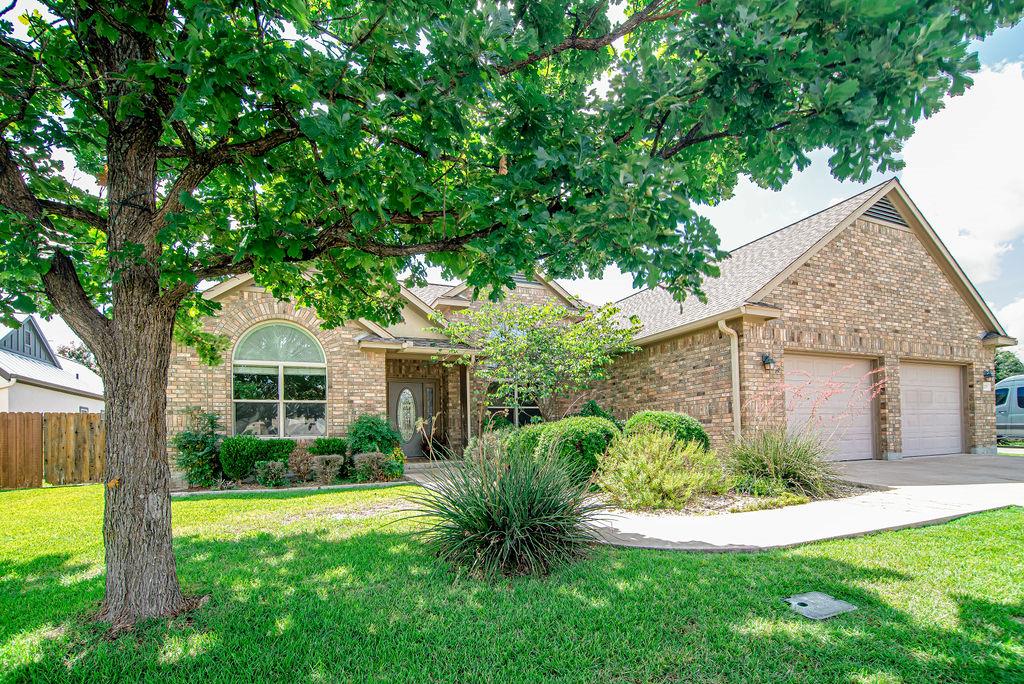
x=408, y=402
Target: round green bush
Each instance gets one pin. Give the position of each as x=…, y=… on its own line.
x=577, y=441
x=372, y=433
x=683, y=427
x=329, y=446
x=238, y=454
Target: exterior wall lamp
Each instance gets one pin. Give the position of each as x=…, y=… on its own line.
x=987, y=374
x=768, y=361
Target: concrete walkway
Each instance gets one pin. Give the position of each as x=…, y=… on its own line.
x=917, y=491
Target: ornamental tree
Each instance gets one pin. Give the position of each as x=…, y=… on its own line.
x=327, y=147
x=543, y=352
x=1007, y=364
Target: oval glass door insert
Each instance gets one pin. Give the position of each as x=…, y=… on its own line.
x=406, y=413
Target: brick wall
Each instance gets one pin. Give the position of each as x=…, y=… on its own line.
x=356, y=379
x=873, y=292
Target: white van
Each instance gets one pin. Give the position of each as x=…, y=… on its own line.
x=1010, y=408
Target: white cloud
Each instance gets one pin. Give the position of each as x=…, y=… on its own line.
x=964, y=170
x=1012, y=318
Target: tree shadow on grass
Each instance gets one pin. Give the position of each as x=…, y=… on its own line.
x=378, y=607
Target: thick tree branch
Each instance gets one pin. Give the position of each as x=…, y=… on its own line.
x=653, y=12
x=75, y=213
x=61, y=282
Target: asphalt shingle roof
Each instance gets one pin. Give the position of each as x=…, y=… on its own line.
x=747, y=269
x=430, y=292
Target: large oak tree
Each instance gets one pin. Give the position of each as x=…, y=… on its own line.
x=328, y=146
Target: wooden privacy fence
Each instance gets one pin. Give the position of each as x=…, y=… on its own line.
x=60, y=448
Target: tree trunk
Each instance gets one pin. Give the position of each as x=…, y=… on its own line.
x=141, y=574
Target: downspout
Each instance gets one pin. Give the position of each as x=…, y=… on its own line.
x=469, y=410
x=734, y=349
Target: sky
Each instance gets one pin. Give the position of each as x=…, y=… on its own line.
x=963, y=169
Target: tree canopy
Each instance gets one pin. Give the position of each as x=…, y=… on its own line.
x=540, y=351
x=1007, y=364
x=488, y=135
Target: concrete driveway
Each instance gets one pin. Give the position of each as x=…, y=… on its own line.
x=908, y=493
x=957, y=469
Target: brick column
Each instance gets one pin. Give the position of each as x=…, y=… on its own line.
x=889, y=419
x=980, y=426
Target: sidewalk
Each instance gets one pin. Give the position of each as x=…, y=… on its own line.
x=893, y=509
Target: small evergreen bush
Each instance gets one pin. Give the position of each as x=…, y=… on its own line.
x=198, y=447
x=652, y=469
x=594, y=410
x=372, y=433
x=578, y=441
x=329, y=468
x=238, y=455
x=323, y=446
x=679, y=425
x=504, y=516
x=771, y=460
x=523, y=441
x=270, y=473
x=377, y=467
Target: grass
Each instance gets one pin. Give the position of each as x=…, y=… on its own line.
x=329, y=587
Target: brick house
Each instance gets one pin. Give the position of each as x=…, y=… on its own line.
x=855, y=320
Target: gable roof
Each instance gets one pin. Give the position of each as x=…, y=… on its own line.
x=63, y=374
x=752, y=271
x=27, y=340
x=430, y=292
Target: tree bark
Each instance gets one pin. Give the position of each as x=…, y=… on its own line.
x=141, y=578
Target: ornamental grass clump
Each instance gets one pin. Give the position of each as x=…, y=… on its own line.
x=777, y=459
x=506, y=515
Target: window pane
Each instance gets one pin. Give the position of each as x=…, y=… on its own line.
x=1020, y=397
x=305, y=384
x=279, y=343
x=255, y=382
x=305, y=420
x=255, y=419
x=527, y=413
x=1001, y=395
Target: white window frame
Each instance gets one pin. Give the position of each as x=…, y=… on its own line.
x=280, y=401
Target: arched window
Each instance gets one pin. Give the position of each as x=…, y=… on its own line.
x=279, y=379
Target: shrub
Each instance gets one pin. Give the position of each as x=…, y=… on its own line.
x=523, y=441
x=377, y=467
x=198, y=448
x=270, y=473
x=504, y=516
x=578, y=441
x=652, y=469
x=324, y=446
x=592, y=409
x=497, y=421
x=482, y=445
x=238, y=455
x=681, y=426
x=372, y=433
x=301, y=461
x=796, y=461
x=330, y=467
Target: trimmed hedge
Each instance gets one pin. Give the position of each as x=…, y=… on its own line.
x=679, y=425
x=577, y=441
x=329, y=446
x=238, y=455
x=372, y=433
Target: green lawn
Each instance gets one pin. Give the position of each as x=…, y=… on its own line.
x=329, y=587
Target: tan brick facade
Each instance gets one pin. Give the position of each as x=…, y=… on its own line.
x=356, y=378
x=874, y=292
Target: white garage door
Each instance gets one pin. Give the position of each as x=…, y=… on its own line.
x=833, y=397
x=932, y=409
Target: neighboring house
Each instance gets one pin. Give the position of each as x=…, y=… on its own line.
x=33, y=379
x=855, y=320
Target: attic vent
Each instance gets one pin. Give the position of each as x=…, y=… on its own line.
x=884, y=210
x=520, y=279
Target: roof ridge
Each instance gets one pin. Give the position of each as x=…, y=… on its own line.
x=809, y=216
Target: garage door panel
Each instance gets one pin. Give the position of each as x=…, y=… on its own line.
x=931, y=405
x=832, y=397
